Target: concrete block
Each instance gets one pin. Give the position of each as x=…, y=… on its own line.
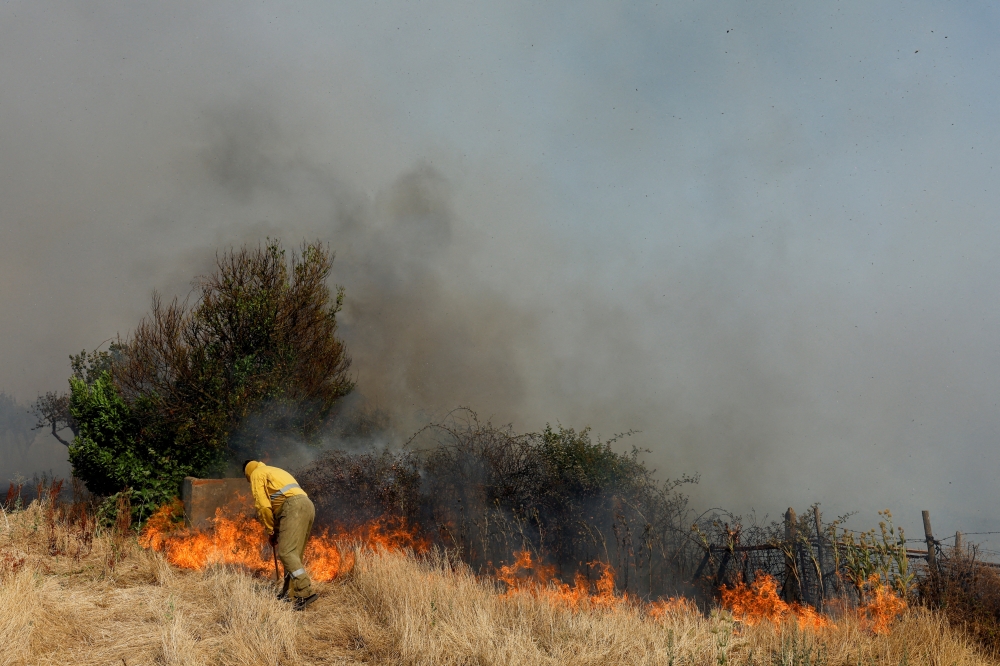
x=202, y=497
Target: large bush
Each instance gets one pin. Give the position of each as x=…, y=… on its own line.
x=486, y=492
x=260, y=343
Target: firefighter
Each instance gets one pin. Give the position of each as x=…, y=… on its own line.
x=287, y=514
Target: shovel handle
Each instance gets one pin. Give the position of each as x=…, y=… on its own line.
x=274, y=551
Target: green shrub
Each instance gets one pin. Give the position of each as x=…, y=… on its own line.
x=125, y=446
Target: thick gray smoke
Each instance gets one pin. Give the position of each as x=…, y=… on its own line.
x=425, y=331
x=762, y=237
x=17, y=450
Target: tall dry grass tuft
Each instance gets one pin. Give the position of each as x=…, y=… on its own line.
x=261, y=629
x=18, y=604
x=71, y=607
x=967, y=592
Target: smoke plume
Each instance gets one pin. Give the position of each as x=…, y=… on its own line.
x=763, y=238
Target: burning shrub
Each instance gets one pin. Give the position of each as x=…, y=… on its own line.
x=357, y=488
x=556, y=493
x=488, y=493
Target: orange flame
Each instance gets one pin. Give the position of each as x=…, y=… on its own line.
x=671, y=607
x=883, y=606
x=759, y=602
x=526, y=576
x=236, y=538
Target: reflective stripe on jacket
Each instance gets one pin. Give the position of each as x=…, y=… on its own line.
x=270, y=487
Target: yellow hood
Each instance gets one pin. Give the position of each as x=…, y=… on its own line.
x=251, y=466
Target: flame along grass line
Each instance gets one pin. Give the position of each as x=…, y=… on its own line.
x=751, y=605
x=235, y=538
x=759, y=602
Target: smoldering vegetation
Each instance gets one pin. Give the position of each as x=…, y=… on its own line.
x=488, y=493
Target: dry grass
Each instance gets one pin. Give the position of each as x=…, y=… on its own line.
x=121, y=605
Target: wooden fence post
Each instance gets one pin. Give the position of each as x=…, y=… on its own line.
x=719, y=577
x=929, y=538
x=931, y=556
x=819, y=556
x=958, y=543
x=704, y=561
x=791, y=587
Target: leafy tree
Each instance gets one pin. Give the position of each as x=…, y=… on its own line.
x=260, y=343
x=52, y=410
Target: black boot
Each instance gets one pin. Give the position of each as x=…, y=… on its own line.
x=302, y=602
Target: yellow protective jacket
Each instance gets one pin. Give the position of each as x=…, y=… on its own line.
x=270, y=486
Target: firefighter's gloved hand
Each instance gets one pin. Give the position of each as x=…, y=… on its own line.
x=273, y=539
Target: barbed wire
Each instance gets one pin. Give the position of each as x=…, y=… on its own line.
x=924, y=540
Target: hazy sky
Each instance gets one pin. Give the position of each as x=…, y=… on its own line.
x=761, y=233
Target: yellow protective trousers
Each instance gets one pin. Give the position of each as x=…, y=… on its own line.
x=294, y=524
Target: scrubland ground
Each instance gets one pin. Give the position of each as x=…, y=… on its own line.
x=67, y=597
